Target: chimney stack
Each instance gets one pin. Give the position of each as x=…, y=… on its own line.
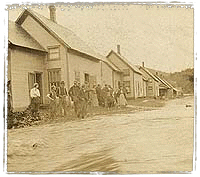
x=118, y=49
x=142, y=64
x=52, y=9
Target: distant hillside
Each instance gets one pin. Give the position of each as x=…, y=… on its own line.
x=184, y=79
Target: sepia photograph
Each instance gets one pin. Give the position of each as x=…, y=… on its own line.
x=100, y=88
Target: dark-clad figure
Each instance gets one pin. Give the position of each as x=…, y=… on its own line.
x=99, y=95
x=84, y=101
x=74, y=93
x=35, y=99
x=125, y=91
x=53, y=105
x=62, y=94
x=106, y=93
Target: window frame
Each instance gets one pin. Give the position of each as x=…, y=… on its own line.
x=53, y=47
x=126, y=73
x=50, y=82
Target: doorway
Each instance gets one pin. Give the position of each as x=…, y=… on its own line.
x=87, y=78
x=36, y=77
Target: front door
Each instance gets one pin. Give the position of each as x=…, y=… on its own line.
x=35, y=77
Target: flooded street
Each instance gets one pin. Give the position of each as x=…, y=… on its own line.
x=143, y=142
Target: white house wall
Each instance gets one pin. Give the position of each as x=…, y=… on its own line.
x=138, y=84
x=22, y=63
x=83, y=65
x=39, y=33
x=107, y=75
x=121, y=65
x=117, y=77
x=47, y=40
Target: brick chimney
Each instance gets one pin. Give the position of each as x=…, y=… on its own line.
x=118, y=49
x=142, y=64
x=52, y=10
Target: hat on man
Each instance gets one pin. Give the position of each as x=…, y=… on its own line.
x=62, y=82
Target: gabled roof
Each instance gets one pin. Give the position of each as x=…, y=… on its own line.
x=171, y=86
x=61, y=33
x=135, y=69
x=110, y=64
x=162, y=81
x=149, y=73
x=18, y=36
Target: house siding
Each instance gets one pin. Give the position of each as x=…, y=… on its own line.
x=46, y=40
x=39, y=33
x=117, y=78
x=22, y=63
x=144, y=88
x=152, y=85
x=84, y=66
x=121, y=65
x=136, y=86
x=106, y=74
x=117, y=62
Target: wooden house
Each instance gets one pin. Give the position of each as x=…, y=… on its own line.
x=131, y=76
x=152, y=85
x=41, y=50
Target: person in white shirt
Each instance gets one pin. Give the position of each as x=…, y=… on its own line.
x=35, y=99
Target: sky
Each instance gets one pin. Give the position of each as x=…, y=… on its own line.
x=160, y=36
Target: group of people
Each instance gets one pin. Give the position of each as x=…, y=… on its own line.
x=79, y=97
x=108, y=97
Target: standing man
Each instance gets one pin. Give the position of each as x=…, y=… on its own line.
x=74, y=93
x=35, y=99
x=106, y=93
x=99, y=94
x=62, y=94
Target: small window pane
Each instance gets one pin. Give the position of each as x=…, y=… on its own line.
x=54, y=77
x=126, y=72
x=54, y=50
x=54, y=53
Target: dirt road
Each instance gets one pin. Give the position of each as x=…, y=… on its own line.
x=144, y=142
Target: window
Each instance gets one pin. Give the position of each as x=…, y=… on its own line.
x=54, y=53
x=77, y=76
x=126, y=72
x=87, y=77
x=150, y=87
x=54, y=77
x=127, y=85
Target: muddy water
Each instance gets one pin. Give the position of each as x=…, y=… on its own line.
x=143, y=142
